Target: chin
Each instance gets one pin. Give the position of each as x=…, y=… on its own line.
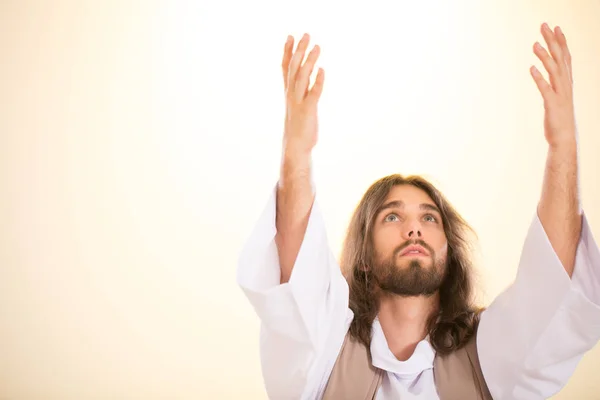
x=411, y=263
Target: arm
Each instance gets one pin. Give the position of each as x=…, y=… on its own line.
x=303, y=315
x=295, y=195
x=533, y=335
x=559, y=208
x=295, y=198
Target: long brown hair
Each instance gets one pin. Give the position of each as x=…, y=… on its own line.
x=454, y=324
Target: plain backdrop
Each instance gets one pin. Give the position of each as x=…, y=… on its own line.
x=140, y=140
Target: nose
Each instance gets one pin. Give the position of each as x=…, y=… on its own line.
x=412, y=230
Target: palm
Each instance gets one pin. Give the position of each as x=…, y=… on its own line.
x=301, y=120
x=559, y=118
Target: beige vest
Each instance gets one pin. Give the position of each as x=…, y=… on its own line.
x=457, y=376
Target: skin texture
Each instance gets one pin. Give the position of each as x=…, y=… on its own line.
x=409, y=218
x=559, y=208
x=294, y=193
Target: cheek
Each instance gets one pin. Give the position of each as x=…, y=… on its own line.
x=384, y=244
x=443, y=250
x=439, y=243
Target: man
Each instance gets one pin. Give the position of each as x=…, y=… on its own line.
x=399, y=323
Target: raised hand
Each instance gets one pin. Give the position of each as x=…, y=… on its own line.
x=301, y=121
x=559, y=119
x=295, y=193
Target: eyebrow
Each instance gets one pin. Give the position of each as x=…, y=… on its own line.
x=400, y=204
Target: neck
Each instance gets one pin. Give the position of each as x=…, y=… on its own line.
x=404, y=321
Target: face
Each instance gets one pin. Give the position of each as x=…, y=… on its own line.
x=410, y=243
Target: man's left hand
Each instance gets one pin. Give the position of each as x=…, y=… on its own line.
x=559, y=120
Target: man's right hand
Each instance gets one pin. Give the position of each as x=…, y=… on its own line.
x=301, y=122
x=295, y=193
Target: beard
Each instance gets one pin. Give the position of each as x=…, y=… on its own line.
x=421, y=277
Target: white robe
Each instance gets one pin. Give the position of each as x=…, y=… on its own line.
x=530, y=338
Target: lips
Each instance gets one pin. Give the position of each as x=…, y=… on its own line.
x=414, y=250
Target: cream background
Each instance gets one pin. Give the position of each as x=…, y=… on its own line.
x=139, y=142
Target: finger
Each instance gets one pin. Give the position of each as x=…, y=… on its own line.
x=542, y=85
x=310, y=72
x=562, y=41
x=553, y=46
x=296, y=61
x=303, y=78
x=314, y=93
x=549, y=64
x=287, y=56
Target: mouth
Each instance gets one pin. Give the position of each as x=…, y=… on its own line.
x=414, y=251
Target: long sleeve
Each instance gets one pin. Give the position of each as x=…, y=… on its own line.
x=303, y=321
x=534, y=334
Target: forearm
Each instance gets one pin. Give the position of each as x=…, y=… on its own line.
x=559, y=207
x=294, y=202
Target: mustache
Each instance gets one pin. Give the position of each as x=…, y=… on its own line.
x=417, y=242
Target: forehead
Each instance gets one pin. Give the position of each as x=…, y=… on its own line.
x=409, y=195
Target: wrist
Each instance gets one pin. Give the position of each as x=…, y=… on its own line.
x=295, y=153
x=295, y=164
x=565, y=141
x=564, y=147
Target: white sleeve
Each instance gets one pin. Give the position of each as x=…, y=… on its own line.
x=304, y=321
x=534, y=334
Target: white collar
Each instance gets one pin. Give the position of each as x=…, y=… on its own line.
x=383, y=358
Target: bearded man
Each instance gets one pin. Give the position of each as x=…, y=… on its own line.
x=395, y=319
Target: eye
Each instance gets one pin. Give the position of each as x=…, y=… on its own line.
x=391, y=218
x=430, y=218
